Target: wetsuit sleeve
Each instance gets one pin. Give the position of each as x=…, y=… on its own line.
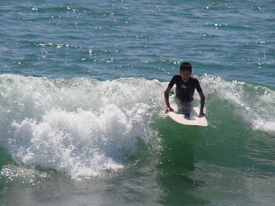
x=198, y=86
x=172, y=82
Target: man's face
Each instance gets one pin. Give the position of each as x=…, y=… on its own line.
x=185, y=75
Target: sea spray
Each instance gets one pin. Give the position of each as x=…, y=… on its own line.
x=79, y=126
x=84, y=126
x=254, y=104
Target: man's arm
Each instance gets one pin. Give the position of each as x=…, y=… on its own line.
x=202, y=103
x=166, y=97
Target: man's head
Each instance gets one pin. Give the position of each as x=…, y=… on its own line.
x=185, y=71
x=186, y=66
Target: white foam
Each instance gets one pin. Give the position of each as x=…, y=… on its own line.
x=84, y=126
x=253, y=103
x=79, y=126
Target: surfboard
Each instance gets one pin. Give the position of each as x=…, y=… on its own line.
x=194, y=119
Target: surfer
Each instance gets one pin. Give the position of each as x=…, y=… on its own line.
x=185, y=87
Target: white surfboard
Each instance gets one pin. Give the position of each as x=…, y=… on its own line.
x=193, y=120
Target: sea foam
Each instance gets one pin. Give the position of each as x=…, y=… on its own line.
x=254, y=104
x=85, y=126
x=79, y=126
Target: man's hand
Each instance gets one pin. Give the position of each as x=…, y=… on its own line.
x=203, y=114
x=166, y=97
x=168, y=109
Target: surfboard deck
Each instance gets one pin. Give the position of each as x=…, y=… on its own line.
x=193, y=120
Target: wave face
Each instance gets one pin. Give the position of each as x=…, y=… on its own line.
x=84, y=127
x=253, y=104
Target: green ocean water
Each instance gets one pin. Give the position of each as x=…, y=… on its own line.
x=82, y=108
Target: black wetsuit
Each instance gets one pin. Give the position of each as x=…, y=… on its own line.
x=185, y=90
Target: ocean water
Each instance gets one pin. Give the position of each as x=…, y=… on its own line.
x=82, y=117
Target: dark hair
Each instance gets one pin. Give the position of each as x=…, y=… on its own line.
x=186, y=66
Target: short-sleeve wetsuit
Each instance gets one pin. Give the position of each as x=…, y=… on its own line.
x=185, y=90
